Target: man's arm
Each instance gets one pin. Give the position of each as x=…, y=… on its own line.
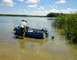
x=24, y=28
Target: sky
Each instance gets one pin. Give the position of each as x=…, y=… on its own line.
x=37, y=7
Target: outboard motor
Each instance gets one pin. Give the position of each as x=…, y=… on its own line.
x=46, y=31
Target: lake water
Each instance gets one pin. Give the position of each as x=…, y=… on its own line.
x=12, y=48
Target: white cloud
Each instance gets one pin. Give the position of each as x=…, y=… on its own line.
x=61, y=1
x=53, y=6
x=69, y=10
x=41, y=7
x=21, y=0
x=64, y=11
x=23, y=10
x=54, y=11
x=8, y=2
x=35, y=5
x=32, y=1
x=45, y=12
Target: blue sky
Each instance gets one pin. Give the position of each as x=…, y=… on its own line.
x=37, y=7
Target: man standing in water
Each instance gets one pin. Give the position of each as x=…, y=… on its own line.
x=23, y=27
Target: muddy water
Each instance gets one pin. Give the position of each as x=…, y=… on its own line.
x=14, y=48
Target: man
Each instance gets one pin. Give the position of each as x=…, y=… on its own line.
x=23, y=27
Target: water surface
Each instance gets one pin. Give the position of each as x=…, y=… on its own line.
x=13, y=48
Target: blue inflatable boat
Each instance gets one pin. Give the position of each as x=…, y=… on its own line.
x=32, y=32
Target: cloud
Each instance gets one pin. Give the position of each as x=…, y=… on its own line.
x=41, y=7
x=69, y=10
x=64, y=11
x=61, y=1
x=54, y=11
x=32, y=1
x=7, y=2
x=53, y=6
x=23, y=10
x=21, y=0
x=35, y=5
x=45, y=12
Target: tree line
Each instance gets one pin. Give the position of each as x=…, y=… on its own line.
x=21, y=15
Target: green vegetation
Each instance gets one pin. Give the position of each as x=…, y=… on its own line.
x=20, y=15
x=68, y=22
x=53, y=14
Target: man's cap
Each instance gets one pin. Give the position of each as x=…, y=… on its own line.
x=24, y=20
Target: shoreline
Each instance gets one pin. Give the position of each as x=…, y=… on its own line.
x=21, y=15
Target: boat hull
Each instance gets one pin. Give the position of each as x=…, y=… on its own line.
x=39, y=35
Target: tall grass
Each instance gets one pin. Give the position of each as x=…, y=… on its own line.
x=68, y=22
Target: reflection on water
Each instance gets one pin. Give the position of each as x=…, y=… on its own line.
x=23, y=46
x=12, y=47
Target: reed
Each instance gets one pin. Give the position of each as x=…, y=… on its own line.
x=68, y=22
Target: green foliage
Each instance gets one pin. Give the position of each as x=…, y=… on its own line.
x=53, y=14
x=21, y=15
x=68, y=22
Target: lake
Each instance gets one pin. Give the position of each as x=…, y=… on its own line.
x=13, y=48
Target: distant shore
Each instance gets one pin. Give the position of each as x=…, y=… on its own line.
x=21, y=15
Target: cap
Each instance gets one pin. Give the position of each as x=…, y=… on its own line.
x=24, y=20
